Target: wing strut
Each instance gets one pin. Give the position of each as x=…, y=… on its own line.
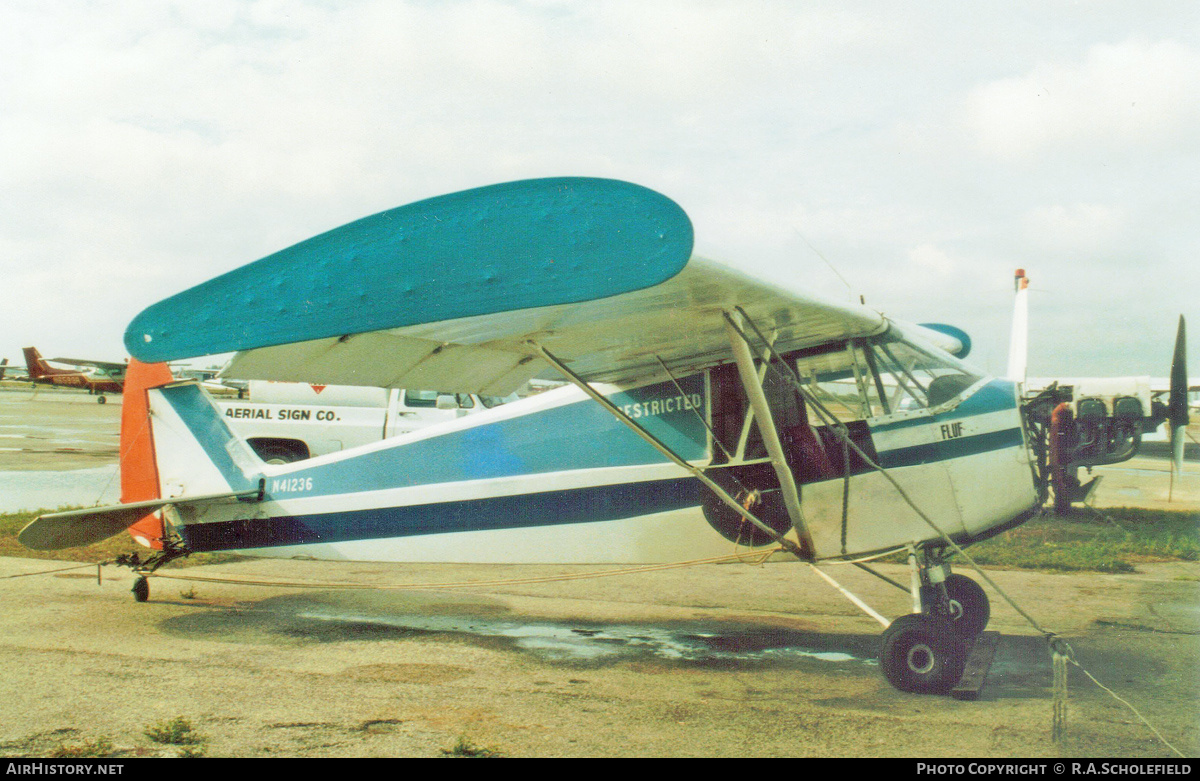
x=766, y=426
x=791, y=547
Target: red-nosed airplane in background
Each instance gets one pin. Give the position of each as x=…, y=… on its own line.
x=97, y=377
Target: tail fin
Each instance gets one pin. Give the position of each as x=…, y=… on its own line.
x=3, y=368
x=196, y=451
x=1018, y=348
x=34, y=363
x=139, y=469
x=196, y=447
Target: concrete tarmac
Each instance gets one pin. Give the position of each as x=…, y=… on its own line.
x=719, y=660
x=46, y=428
x=735, y=660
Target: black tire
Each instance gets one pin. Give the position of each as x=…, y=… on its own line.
x=279, y=452
x=733, y=525
x=922, y=654
x=101, y=399
x=970, y=609
x=141, y=589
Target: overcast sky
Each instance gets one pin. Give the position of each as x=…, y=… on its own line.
x=919, y=151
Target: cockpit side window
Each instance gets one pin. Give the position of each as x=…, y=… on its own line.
x=837, y=384
x=840, y=379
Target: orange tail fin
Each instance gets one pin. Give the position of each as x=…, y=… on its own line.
x=34, y=364
x=139, y=474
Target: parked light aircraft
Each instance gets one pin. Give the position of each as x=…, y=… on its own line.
x=99, y=377
x=1093, y=421
x=12, y=372
x=823, y=428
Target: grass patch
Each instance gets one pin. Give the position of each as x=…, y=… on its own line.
x=466, y=748
x=100, y=747
x=174, y=732
x=1113, y=540
x=105, y=550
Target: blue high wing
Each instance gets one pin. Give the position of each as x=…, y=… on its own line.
x=449, y=293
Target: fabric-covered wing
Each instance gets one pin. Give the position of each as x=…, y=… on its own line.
x=508, y=246
x=448, y=293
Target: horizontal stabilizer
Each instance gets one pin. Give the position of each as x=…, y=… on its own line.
x=534, y=243
x=75, y=528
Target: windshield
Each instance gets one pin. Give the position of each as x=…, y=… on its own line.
x=915, y=374
x=896, y=371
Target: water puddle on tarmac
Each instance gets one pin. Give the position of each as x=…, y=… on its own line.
x=24, y=491
x=608, y=643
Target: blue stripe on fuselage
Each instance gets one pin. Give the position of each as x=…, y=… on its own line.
x=553, y=508
x=951, y=448
x=579, y=435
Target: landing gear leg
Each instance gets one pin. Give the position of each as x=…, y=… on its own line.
x=938, y=592
x=926, y=651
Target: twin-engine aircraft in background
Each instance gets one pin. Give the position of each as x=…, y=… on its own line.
x=97, y=377
x=705, y=409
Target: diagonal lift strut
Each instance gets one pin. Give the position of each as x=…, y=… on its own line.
x=721, y=493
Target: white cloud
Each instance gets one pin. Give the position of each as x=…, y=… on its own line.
x=1135, y=92
x=929, y=259
x=152, y=146
x=1081, y=228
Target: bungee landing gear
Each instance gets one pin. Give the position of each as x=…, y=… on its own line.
x=926, y=651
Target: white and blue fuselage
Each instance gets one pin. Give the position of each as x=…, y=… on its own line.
x=556, y=478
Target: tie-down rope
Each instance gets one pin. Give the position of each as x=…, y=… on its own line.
x=1061, y=651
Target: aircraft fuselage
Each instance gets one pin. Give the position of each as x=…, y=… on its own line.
x=556, y=478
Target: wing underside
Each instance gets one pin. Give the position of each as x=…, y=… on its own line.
x=619, y=339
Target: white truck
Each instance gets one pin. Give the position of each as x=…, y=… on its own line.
x=290, y=421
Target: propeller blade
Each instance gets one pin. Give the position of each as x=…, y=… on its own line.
x=1177, y=406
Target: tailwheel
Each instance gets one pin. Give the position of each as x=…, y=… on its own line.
x=968, y=606
x=923, y=653
x=141, y=589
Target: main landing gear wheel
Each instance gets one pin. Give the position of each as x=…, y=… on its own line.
x=141, y=589
x=969, y=606
x=923, y=654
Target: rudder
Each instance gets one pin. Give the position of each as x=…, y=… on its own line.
x=139, y=471
x=35, y=364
